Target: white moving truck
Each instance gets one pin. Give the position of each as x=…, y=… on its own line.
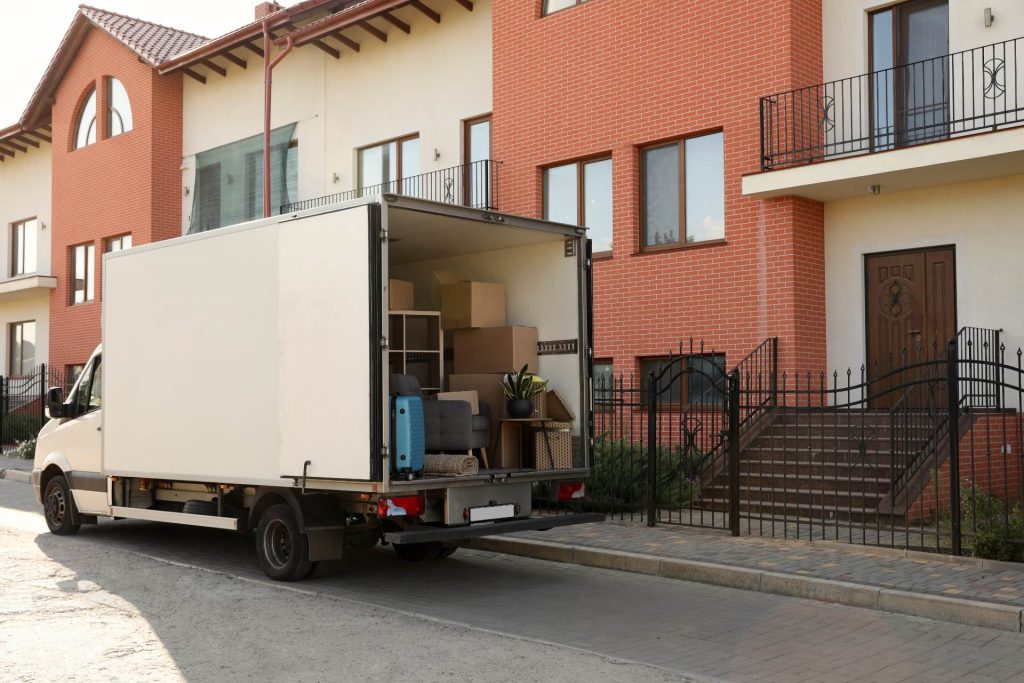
x=243, y=382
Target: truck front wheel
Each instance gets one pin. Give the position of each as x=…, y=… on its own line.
x=281, y=547
x=59, y=507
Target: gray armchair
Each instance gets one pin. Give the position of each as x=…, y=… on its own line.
x=449, y=425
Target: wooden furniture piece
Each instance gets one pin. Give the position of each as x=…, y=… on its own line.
x=415, y=347
x=515, y=434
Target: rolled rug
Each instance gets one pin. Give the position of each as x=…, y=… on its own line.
x=451, y=465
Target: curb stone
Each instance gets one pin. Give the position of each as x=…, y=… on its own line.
x=24, y=476
x=940, y=608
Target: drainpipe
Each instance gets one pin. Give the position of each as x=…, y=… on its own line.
x=268, y=68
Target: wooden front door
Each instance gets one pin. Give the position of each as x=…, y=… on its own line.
x=911, y=310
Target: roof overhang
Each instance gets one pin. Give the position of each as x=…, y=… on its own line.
x=359, y=15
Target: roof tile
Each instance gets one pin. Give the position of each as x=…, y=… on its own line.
x=153, y=42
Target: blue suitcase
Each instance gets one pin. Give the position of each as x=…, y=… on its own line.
x=408, y=436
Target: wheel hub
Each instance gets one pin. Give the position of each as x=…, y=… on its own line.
x=56, y=506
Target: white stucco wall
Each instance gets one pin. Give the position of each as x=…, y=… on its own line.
x=982, y=219
x=25, y=182
x=845, y=30
x=25, y=193
x=426, y=82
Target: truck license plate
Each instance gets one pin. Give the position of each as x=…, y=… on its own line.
x=491, y=513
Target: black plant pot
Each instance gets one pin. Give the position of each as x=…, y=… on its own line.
x=520, y=408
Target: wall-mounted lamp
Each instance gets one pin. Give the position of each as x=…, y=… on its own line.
x=874, y=189
x=989, y=17
x=186, y=190
x=335, y=179
x=437, y=154
x=42, y=225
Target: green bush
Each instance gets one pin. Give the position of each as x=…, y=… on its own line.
x=17, y=427
x=619, y=477
x=989, y=527
x=26, y=450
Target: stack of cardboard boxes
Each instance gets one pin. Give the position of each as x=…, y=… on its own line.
x=484, y=348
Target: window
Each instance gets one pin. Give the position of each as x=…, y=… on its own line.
x=476, y=150
x=72, y=372
x=22, y=341
x=83, y=273
x=684, y=186
x=85, y=131
x=604, y=381
x=580, y=193
x=24, y=236
x=118, y=243
x=391, y=164
x=229, y=180
x=908, y=44
x=555, y=5
x=119, y=110
x=687, y=379
x=89, y=395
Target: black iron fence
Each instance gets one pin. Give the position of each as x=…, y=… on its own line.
x=934, y=99
x=923, y=454
x=23, y=403
x=474, y=185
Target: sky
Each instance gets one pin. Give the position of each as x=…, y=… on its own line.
x=36, y=28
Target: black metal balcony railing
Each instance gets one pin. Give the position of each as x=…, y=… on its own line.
x=474, y=185
x=935, y=99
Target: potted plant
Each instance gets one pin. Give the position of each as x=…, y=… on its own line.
x=520, y=388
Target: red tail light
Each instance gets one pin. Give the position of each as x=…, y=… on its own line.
x=569, y=490
x=400, y=506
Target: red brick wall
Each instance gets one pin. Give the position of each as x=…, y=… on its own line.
x=125, y=184
x=609, y=76
x=991, y=458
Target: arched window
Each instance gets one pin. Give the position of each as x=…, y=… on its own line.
x=119, y=110
x=85, y=132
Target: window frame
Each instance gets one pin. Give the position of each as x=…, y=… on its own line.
x=684, y=379
x=71, y=375
x=608, y=402
x=89, y=258
x=91, y=94
x=14, y=250
x=109, y=242
x=680, y=142
x=85, y=382
x=581, y=203
x=399, y=178
x=112, y=111
x=11, y=327
x=544, y=7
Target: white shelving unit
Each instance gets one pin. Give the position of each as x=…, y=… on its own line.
x=416, y=347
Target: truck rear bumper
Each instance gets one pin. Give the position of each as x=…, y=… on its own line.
x=427, y=534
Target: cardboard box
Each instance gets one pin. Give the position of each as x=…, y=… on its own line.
x=400, y=295
x=495, y=349
x=466, y=304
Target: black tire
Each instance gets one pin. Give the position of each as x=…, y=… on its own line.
x=447, y=551
x=281, y=547
x=417, y=552
x=59, y=507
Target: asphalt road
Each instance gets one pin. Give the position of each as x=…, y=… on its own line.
x=139, y=601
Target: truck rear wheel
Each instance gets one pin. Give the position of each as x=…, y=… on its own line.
x=281, y=547
x=59, y=507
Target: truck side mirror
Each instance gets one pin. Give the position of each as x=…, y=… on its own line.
x=55, y=402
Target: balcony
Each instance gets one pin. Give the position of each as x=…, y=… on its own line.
x=474, y=185
x=910, y=126
x=26, y=287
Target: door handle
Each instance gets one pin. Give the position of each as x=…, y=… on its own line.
x=914, y=332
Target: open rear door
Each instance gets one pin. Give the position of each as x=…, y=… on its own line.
x=330, y=354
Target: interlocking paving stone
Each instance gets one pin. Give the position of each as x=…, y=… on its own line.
x=856, y=564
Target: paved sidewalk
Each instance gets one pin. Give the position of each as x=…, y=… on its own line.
x=15, y=464
x=964, y=590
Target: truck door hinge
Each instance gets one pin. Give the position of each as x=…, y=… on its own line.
x=383, y=235
x=384, y=451
x=384, y=343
